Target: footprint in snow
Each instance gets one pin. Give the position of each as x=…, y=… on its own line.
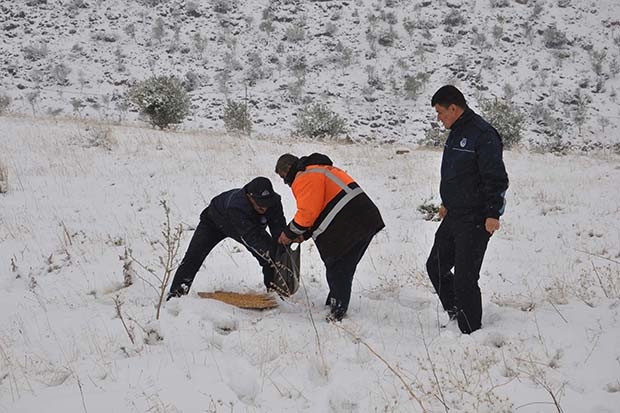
x=225, y=326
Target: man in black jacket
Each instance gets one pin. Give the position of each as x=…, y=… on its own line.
x=472, y=189
x=242, y=214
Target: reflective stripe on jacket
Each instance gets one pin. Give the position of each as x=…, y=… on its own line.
x=333, y=208
x=314, y=189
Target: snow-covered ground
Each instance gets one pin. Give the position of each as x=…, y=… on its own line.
x=550, y=340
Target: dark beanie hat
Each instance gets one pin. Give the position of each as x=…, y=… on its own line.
x=285, y=162
x=261, y=191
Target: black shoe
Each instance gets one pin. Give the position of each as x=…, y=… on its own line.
x=328, y=301
x=337, y=310
x=183, y=289
x=337, y=315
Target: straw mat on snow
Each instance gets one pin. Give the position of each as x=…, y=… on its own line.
x=256, y=301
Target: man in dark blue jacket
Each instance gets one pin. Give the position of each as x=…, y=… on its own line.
x=242, y=214
x=472, y=189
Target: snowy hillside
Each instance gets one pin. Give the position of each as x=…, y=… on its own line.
x=75, y=338
x=374, y=62
x=82, y=182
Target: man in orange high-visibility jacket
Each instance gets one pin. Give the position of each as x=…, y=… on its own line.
x=337, y=214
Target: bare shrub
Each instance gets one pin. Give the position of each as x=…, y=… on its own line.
x=193, y=80
x=60, y=73
x=414, y=85
x=345, y=55
x=105, y=37
x=387, y=37
x=614, y=67
x=539, y=6
x=295, y=90
x=99, y=136
x=330, y=29
x=5, y=101
x=77, y=104
x=159, y=30
x=449, y=40
x=454, y=18
x=266, y=25
x=541, y=372
x=255, y=70
x=4, y=178
x=374, y=80
x=33, y=99
x=498, y=32
x=461, y=381
x=553, y=38
x=295, y=32
x=200, y=43
x=128, y=271
x=35, y=52
x=169, y=246
x=130, y=30
x=478, y=39
x=598, y=58
x=222, y=79
x=580, y=108
x=298, y=65
x=409, y=26
x=223, y=6
x=192, y=8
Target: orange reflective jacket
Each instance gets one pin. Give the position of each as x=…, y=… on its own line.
x=314, y=189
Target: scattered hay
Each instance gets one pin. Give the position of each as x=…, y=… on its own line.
x=255, y=301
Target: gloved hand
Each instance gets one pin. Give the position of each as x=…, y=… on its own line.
x=268, y=274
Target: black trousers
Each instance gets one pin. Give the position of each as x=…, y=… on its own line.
x=340, y=272
x=460, y=244
x=207, y=235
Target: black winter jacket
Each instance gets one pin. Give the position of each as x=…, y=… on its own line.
x=357, y=221
x=233, y=213
x=473, y=175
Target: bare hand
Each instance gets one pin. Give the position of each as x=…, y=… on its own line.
x=283, y=239
x=491, y=225
x=442, y=212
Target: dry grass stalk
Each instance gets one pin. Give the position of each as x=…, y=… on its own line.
x=387, y=364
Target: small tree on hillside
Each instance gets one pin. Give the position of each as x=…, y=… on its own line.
x=507, y=119
x=318, y=121
x=435, y=137
x=4, y=178
x=237, y=117
x=5, y=101
x=162, y=99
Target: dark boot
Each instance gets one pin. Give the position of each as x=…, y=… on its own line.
x=337, y=310
x=183, y=289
